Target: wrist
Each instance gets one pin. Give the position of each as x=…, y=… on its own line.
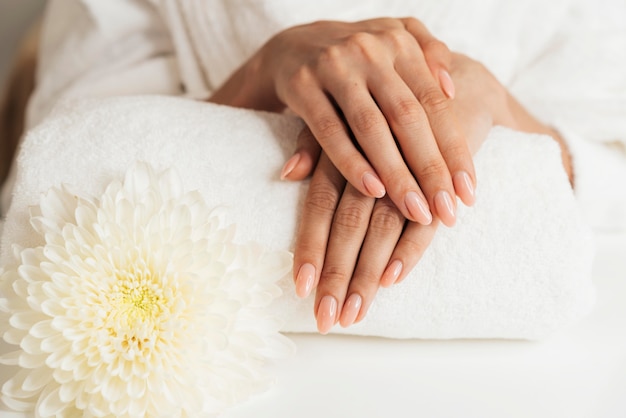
x=525, y=122
x=250, y=87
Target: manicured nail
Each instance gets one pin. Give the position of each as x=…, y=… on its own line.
x=391, y=274
x=464, y=188
x=373, y=185
x=350, y=310
x=326, y=314
x=289, y=165
x=305, y=280
x=445, y=208
x=418, y=208
x=447, y=85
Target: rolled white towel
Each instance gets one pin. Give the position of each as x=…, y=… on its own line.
x=516, y=265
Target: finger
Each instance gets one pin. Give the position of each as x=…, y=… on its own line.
x=315, y=224
x=384, y=229
x=373, y=134
x=451, y=140
x=414, y=132
x=304, y=158
x=436, y=53
x=347, y=233
x=311, y=103
x=411, y=247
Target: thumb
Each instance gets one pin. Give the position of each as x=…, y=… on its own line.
x=304, y=159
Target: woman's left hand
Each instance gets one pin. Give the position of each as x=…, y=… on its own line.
x=353, y=237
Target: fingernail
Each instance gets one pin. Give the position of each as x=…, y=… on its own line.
x=326, y=314
x=391, y=274
x=445, y=208
x=447, y=85
x=418, y=208
x=464, y=188
x=305, y=280
x=373, y=185
x=289, y=165
x=351, y=310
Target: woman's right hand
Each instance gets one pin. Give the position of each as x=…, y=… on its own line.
x=367, y=92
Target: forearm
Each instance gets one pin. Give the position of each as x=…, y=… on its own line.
x=483, y=102
x=525, y=122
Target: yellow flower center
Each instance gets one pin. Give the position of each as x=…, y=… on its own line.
x=140, y=303
x=137, y=305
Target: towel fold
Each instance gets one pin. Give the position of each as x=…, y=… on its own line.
x=516, y=265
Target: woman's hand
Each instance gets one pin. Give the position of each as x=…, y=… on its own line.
x=353, y=237
x=350, y=243
x=369, y=96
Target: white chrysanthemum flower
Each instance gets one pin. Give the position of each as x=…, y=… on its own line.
x=138, y=304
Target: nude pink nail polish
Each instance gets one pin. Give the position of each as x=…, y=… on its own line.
x=445, y=208
x=305, y=280
x=289, y=166
x=464, y=188
x=447, y=85
x=350, y=310
x=418, y=208
x=391, y=274
x=326, y=314
x=373, y=185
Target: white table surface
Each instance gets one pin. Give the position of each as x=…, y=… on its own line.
x=580, y=372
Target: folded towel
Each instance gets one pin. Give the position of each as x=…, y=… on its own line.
x=516, y=265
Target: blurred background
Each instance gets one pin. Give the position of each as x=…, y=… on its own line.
x=16, y=80
x=16, y=16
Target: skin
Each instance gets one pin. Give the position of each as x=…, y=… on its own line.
x=373, y=95
x=376, y=98
x=363, y=243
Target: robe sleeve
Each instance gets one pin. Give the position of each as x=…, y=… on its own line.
x=577, y=84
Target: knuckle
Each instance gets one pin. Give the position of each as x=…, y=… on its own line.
x=386, y=218
x=399, y=37
x=327, y=127
x=366, y=280
x=321, y=200
x=360, y=39
x=300, y=79
x=367, y=121
x=457, y=150
x=307, y=251
x=434, y=101
x=406, y=112
x=364, y=44
x=412, y=249
x=386, y=21
x=332, y=57
x=352, y=217
x=304, y=245
x=434, y=168
x=334, y=276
